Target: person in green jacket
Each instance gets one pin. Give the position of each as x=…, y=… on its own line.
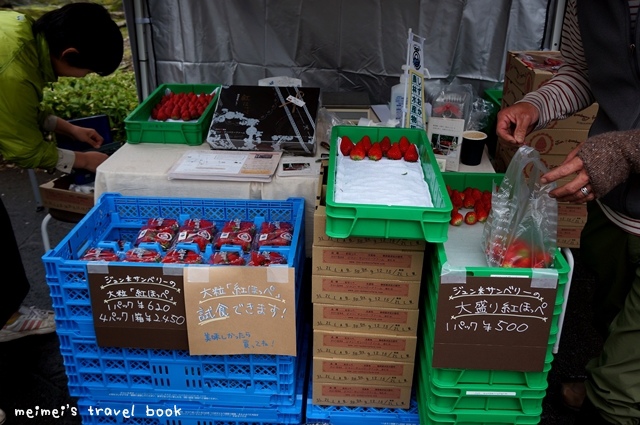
x=72, y=41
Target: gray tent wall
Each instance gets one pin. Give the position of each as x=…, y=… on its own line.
x=337, y=45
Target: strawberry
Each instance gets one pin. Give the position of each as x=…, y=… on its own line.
x=456, y=199
x=456, y=219
x=375, y=152
x=227, y=258
x=476, y=193
x=358, y=152
x=385, y=144
x=366, y=143
x=346, y=145
x=411, y=154
x=394, y=152
x=468, y=202
x=470, y=217
x=404, y=144
x=482, y=215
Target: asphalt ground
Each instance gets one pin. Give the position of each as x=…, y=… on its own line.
x=31, y=369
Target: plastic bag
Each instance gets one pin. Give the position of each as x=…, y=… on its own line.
x=521, y=230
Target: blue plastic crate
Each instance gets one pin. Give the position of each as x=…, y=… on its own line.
x=349, y=415
x=195, y=413
x=117, y=217
x=162, y=376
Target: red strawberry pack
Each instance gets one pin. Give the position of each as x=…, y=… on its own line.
x=160, y=230
x=182, y=256
x=275, y=233
x=198, y=231
x=236, y=233
x=142, y=255
x=266, y=258
x=100, y=254
x=227, y=258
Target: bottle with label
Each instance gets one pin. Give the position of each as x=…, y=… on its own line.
x=398, y=97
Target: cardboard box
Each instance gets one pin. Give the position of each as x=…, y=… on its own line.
x=569, y=236
x=56, y=195
x=370, y=263
x=580, y=120
x=359, y=395
x=371, y=347
x=541, y=66
x=320, y=237
x=385, y=321
x=350, y=371
x=549, y=141
x=572, y=215
x=367, y=292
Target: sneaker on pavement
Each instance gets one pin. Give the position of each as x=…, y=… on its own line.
x=29, y=321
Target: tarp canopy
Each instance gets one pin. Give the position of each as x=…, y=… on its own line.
x=337, y=45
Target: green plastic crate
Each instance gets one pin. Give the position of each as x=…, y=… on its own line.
x=462, y=397
x=486, y=379
x=382, y=221
x=142, y=130
x=494, y=96
x=466, y=417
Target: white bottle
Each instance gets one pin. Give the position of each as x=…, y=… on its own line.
x=398, y=98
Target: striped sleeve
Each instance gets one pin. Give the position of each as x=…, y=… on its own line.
x=568, y=91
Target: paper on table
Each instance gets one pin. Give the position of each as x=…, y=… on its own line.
x=225, y=165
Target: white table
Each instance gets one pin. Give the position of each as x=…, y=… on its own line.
x=141, y=170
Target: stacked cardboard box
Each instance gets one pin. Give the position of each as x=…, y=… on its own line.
x=365, y=294
x=525, y=72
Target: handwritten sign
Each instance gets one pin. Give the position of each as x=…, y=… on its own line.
x=241, y=310
x=138, y=307
x=493, y=323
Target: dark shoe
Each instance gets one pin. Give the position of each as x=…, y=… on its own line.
x=573, y=393
x=589, y=415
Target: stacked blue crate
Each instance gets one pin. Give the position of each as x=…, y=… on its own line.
x=154, y=376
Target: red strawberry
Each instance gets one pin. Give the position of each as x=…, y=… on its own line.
x=468, y=202
x=366, y=142
x=358, y=153
x=456, y=199
x=346, y=145
x=385, y=144
x=470, y=217
x=411, y=154
x=456, y=219
x=482, y=215
x=404, y=144
x=394, y=152
x=476, y=193
x=375, y=152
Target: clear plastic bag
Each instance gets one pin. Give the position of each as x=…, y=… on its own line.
x=521, y=230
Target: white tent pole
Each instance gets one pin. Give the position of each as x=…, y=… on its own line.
x=143, y=59
x=556, y=32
